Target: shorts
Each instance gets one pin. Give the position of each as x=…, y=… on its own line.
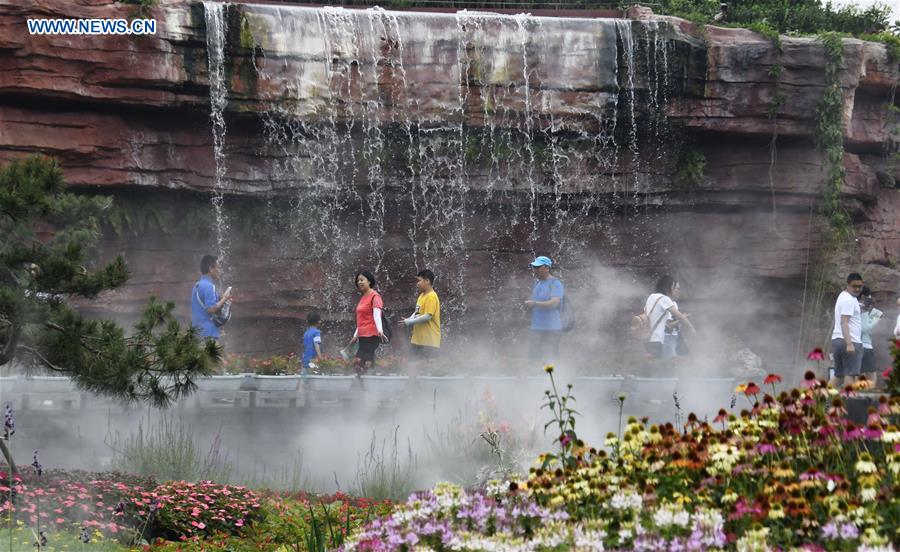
x=544, y=345
x=424, y=352
x=846, y=364
x=868, y=361
x=655, y=349
x=367, y=348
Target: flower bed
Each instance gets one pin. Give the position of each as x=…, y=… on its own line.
x=98, y=510
x=789, y=471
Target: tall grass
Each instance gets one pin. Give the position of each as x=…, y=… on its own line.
x=168, y=449
x=386, y=473
x=288, y=477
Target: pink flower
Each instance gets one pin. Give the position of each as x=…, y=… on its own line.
x=816, y=354
x=853, y=434
x=239, y=523
x=60, y=520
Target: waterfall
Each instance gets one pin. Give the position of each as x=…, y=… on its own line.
x=397, y=139
x=218, y=100
x=625, y=34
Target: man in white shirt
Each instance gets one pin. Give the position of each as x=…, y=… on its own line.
x=846, y=337
x=897, y=327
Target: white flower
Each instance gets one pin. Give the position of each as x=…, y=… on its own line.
x=864, y=466
x=628, y=500
x=588, y=539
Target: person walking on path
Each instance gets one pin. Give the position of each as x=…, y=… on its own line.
x=658, y=308
x=870, y=318
x=425, y=341
x=546, y=324
x=206, y=303
x=846, y=336
x=312, y=343
x=369, y=331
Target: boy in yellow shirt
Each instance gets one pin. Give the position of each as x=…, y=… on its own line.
x=425, y=322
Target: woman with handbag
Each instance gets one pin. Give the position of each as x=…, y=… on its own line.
x=369, y=331
x=658, y=308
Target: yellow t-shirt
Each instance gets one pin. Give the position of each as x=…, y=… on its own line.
x=428, y=334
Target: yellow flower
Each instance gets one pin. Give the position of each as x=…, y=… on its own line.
x=740, y=388
x=548, y=368
x=729, y=498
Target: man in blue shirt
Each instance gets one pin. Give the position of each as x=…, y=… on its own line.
x=546, y=324
x=205, y=302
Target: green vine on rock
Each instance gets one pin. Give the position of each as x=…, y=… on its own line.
x=830, y=138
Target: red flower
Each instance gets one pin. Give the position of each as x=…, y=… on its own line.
x=887, y=373
x=752, y=389
x=772, y=379
x=816, y=354
x=723, y=415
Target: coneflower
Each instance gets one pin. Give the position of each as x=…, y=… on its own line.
x=9, y=423
x=38, y=468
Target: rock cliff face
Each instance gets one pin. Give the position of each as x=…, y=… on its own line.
x=466, y=142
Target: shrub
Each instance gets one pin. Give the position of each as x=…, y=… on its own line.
x=181, y=508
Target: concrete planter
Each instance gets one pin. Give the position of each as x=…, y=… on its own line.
x=46, y=384
x=276, y=383
x=387, y=385
x=598, y=387
x=651, y=388
x=9, y=384
x=331, y=384
x=220, y=383
x=441, y=384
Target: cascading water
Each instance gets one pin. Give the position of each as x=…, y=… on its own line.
x=218, y=100
x=627, y=38
x=401, y=139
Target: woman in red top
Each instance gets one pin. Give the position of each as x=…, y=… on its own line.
x=368, y=332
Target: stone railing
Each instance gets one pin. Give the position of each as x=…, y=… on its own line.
x=256, y=391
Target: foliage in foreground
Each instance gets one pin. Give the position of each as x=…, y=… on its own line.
x=47, y=258
x=114, y=511
x=790, y=471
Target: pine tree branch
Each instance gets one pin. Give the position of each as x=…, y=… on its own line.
x=57, y=327
x=42, y=358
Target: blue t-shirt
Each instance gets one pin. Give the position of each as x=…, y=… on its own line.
x=206, y=290
x=546, y=319
x=310, y=338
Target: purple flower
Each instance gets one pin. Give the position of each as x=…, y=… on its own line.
x=829, y=531
x=849, y=531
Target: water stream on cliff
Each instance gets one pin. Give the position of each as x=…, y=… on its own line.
x=454, y=142
x=218, y=101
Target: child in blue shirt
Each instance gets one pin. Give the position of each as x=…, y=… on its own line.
x=312, y=341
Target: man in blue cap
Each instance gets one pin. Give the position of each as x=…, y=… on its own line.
x=546, y=324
